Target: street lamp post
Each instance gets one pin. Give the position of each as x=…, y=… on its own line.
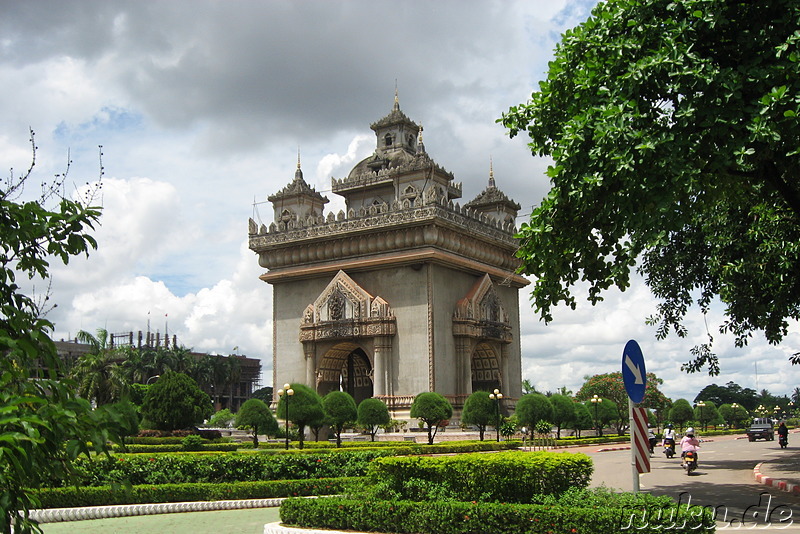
x=761, y=410
x=496, y=397
x=595, y=401
x=777, y=411
x=790, y=408
x=702, y=405
x=286, y=393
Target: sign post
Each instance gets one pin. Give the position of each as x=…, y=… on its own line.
x=634, y=377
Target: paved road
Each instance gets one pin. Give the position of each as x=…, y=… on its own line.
x=723, y=480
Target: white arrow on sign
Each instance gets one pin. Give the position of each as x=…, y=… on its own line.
x=635, y=370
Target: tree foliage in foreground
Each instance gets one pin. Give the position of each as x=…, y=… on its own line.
x=44, y=424
x=673, y=129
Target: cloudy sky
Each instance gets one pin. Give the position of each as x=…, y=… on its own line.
x=201, y=107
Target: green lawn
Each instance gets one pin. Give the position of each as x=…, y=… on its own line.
x=248, y=521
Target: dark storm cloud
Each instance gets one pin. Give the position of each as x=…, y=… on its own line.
x=281, y=68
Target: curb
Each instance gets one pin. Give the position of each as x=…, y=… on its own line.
x=615, y=449
x=57, y=515
x=277, y=528
x=781, y=485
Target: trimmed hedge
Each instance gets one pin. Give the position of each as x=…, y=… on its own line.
x=106, y=495
x=452, y=517
x=172, y=468
x=504, y=477
x=151, y=449
x=171, y=440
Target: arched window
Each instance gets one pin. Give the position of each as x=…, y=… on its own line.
x=387, y=140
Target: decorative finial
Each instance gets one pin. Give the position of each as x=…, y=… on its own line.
x=420, y=144
x=396, y=96
x=491, y=174
x=298, y=174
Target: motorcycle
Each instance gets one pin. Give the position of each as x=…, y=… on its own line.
x=783, y=441
x=689, y=461
x=669, y=448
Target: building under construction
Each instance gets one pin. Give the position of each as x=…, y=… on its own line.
x=230, y=396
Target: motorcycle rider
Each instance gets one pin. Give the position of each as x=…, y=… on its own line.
x=783, y=432
x=689, y=443
x=669, y=436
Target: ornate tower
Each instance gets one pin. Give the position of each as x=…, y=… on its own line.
x=405, y=291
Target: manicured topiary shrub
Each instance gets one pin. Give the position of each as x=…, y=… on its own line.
x=504, y=477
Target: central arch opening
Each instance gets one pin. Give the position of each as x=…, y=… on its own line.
x=346, y=367
x=485, y=368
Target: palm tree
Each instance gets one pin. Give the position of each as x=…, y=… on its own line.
x=202, y=371
x=136, y=367
x=219, y=377
x=99, y=375
x=528, y=387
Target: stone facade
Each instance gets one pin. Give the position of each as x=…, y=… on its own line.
x=404, y=291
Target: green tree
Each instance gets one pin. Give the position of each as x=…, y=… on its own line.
x=729, y=393
x=174, y=401
x=305, y=409
x=432, y=409
x=45, y=425
x=341, y=410
x=125, y=417
x=563, y=412
x=673, y=131
x=528, y=387
x=223, y=418
x=734, y=416
x=681, y=413
x=264, y=394
x=533, y=408
x=372, y=413
x=612, y=386
x=255, y=416
x=479, y=410
x=603, y=414
x=706, y=414
x=583, y=419
x=100, y=377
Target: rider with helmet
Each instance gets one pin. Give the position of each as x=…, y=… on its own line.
x=669, y=437
x=689, y=443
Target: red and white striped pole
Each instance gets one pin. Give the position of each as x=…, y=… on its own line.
x=640, y=443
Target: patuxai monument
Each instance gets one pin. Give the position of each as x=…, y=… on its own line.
x=404, y=291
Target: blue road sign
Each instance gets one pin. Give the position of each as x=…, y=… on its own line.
x=633, y=372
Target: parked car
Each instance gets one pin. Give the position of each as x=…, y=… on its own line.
x=761, y=428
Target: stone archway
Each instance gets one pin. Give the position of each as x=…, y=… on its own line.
x=485, y=368
x=345, y=367
x=482, y=332
x=361, y=327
